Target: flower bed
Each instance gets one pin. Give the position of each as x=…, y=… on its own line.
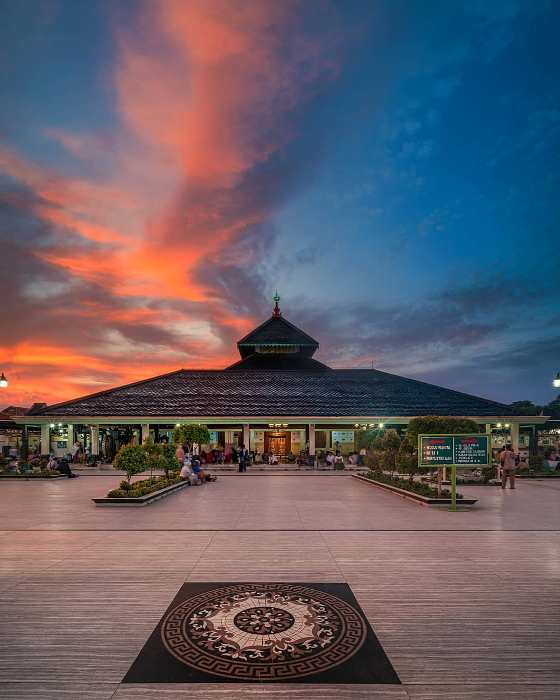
x=43, y=474
x=416, y=491
x=142, y=493
x=418, y=487
x=143, y=487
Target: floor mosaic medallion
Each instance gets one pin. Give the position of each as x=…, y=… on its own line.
x=263, y=632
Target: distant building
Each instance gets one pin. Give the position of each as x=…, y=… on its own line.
x=10, y=432
x=277, y=398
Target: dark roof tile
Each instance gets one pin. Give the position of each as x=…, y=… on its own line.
x=226, y=393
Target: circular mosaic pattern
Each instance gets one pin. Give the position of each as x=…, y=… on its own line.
x=263, y=620
x=269, y=631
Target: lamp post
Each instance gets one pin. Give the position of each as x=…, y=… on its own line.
x=4, y=381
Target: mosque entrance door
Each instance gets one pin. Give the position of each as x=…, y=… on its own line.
x=277, y=442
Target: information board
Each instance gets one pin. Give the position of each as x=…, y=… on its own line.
x=435, y=451
x=461, y=450
x=342, y=436
x=470, y=449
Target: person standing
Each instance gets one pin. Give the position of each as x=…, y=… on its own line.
x=243, y=458
x=75, y=450
x=507, y=462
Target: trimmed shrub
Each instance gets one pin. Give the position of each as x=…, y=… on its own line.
x=142, y=487
x=132, y=460
x=189, y=434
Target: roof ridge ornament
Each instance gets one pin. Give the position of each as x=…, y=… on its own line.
x=276, y=313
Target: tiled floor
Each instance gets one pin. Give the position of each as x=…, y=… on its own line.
x=466, y=605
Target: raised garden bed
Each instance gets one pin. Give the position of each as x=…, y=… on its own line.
x=141, y=500
x=424, y=500
x=32, y=475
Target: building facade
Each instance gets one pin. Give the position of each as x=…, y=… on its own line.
x=277, y=398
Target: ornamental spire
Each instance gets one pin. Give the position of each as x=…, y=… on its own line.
x=276, y=313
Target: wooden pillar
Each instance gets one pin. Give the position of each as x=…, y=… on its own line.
x=514, y=432
x=246, y=435
x=45, y=439
x=94, y=429
x=70, y=441
x=312, y=439
x=24, y=451
x=145, y=432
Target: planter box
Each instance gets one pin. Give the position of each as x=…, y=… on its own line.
x=424, y=500
x=141, y=500
x=25, y=477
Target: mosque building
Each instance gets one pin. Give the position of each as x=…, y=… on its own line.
x=277, y=398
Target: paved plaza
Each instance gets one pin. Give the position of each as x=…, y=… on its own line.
x=465, y=605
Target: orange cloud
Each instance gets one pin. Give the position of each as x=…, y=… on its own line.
x=205, y=92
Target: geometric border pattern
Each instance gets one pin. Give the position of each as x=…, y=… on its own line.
x=305, y=632
x=214, y=652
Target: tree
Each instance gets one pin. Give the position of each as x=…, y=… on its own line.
x=189, y=434
x=156, y=460
x=553, y=409
x=525, y=408
x=366, y=438
x=438, y=425
x=389, y=445
x=131, y=459
x=407, y=460
x=170, y=461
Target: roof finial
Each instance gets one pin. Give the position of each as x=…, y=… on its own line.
x=276, y=311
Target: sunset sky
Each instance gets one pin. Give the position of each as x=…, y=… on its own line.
x=390, y=166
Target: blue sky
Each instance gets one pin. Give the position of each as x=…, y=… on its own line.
x=391, y=167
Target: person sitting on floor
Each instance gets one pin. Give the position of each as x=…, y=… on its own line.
x=198, y=471
x=186, y=472
x=64, y=468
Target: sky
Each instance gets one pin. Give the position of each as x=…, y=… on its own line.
x=391, y=167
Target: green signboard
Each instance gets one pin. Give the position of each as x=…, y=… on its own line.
x=471, y=450
x=454, y=451
x=435, y=451
x=460, y=450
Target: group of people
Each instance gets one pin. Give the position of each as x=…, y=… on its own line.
x=191, y=467
x=60, y=465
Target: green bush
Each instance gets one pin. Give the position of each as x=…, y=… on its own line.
x=488, y=473
x=142, y=487
x=43, y=474
x=132, y=460
x=438, y=425
x=171, y=462
x=189, y=434
x=536, y=462
x=338, y=466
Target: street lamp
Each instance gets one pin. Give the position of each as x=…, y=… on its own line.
x=4, y=381
x=555, y=381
